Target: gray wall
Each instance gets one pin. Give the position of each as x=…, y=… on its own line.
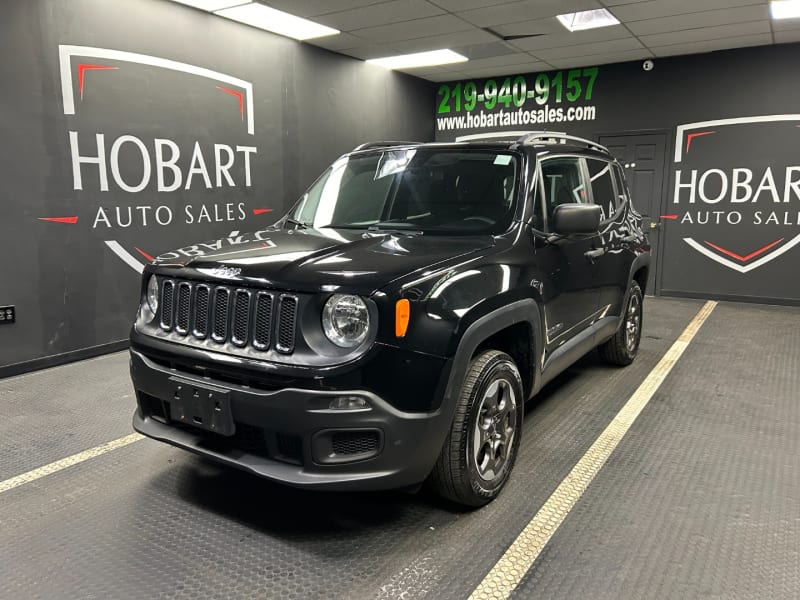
x=68, y=279
x=750, y=239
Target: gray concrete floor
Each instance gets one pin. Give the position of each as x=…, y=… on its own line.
x=701, y=498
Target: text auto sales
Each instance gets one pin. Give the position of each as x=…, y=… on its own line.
x=739, y=186
x=160, y=160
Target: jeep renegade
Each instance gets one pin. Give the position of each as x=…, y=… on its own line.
x=389, y=329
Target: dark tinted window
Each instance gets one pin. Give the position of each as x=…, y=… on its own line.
x=452, y=191
x=601, y=176
x=563, y=183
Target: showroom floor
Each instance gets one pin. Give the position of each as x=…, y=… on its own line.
x=700, y=498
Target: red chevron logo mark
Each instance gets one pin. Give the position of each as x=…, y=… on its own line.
x=750, y=256
x=70, y=220
x=82, y=68
x=236, y=94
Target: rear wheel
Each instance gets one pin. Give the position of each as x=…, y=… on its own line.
x=623, y=347
x=480, y=450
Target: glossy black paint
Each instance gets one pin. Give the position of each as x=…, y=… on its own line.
x=545, y=301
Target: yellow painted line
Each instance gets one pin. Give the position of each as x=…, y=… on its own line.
x=507, y=573
x=60, y=465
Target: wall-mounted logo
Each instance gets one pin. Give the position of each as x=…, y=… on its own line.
x=157, y=148
x=736, y=198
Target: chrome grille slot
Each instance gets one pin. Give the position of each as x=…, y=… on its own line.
x=262, y=321
x=222, y=297
x=167, y=296
x=202, y=296
x=183, y=308
x=287, y=317
x=241, y=318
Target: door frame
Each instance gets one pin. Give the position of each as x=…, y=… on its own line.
x=669, y=149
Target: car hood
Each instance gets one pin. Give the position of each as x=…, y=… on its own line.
x=319, y=260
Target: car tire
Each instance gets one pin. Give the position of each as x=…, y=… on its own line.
x=623, y=347
x=481, y=447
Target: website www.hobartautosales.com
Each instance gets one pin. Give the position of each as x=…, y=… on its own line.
x=521, y=116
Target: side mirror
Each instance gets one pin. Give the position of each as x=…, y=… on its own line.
x=576, y=219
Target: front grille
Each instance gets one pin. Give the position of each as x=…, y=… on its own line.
x=182, y=314
x=287, y=316
x=355, y=442
x=242, y=317
x=201, y=304
x=222, y=298
x=166, y=305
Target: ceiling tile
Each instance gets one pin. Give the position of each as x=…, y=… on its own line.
x=706, y=33
x=413, y=29
x=709, y=18
x=613, y=46
x=547, y=26
x=760, y=39
x=525, y=11
x=497, y=61
x=311, y=8
x=370, y=51
x=654, y=9
x=532, y=66
x=783, y=37
x=476, y=37
x=565, y=38
x=452, y=76
x=786, y=25
x=380, y=14
x=338, y=42
x=600, y=59
x=460, y=5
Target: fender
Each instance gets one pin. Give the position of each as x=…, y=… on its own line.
x=521, y=311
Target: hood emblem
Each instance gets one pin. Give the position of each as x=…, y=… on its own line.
x=225, y=272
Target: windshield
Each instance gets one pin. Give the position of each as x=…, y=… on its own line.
x=453, y=192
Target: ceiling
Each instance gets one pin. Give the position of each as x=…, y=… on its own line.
x=501, y=37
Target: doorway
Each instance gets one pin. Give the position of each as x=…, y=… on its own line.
x=643, y=157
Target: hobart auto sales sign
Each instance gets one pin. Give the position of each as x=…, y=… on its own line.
x=736, y=195
x=161, y=152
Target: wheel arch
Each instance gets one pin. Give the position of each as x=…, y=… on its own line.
x=501, y=326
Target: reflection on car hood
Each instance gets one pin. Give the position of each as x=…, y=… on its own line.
x=325, y=259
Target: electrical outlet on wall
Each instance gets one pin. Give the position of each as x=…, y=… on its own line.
x=8, y=315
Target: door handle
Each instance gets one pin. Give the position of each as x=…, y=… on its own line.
x=655, y=225
x=592, y=254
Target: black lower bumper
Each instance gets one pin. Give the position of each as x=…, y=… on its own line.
x=293, y=435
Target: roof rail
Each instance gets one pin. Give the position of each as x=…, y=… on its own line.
x=384, y=144
x=494, y=135
x=557, y=137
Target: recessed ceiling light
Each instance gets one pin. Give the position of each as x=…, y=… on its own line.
x=211, y=5
x=276, y=21
x=785, y=9
x=588, y=19
x=419, y=59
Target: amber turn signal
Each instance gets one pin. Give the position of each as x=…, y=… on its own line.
x=402, y=314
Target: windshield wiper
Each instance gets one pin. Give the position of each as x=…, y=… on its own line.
x=296, y=223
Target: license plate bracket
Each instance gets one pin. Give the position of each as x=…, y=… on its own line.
x=202, y=406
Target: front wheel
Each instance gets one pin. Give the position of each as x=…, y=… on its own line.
x=623, y=347
x=480, y=450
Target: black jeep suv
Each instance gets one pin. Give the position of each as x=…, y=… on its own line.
x=389, y=329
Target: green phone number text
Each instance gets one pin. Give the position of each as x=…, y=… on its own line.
x=572, y=85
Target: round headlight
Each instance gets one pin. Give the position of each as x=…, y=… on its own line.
x=345, y=320
x=152, y=294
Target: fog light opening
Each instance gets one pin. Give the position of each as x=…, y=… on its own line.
x=349, y=403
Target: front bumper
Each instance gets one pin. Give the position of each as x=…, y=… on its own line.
x=292, y=436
